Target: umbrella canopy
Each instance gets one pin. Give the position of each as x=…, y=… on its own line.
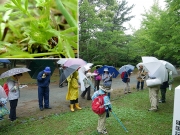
x=76, y=61
x=62, y=61
x=4, y=61
x=39, y=65
x=155, y=68
x=169, y=66
x=142, y=65
x=112, y=70
x=67, y=72
x=126, y=68
x=14, y=71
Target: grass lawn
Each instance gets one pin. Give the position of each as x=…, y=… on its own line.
x=131, y=109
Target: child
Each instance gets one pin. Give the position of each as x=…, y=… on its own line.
x=3, y=101
x=102, y=118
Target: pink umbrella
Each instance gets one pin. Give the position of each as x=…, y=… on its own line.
x=76, y=61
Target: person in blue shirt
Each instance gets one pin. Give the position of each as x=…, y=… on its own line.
x=108, y=107
x=43, y=81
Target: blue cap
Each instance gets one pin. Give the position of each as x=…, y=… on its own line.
x=47, y=70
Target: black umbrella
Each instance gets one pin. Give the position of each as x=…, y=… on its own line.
x=39, y=65
x=67, y=72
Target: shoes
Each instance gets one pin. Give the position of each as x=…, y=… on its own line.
x=153, y=110
x=125, y=92
x=41, y=109
x=47, y=107
x=129, y=91
x=103, y=132
x=160, y=101
x=89, y=99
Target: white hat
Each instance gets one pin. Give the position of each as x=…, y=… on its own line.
x=106, y=69
x=106, y=88
x=86, y=67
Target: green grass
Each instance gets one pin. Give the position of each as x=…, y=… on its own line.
x=131, y=109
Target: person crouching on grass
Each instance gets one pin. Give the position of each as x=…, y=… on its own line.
x=108, y=107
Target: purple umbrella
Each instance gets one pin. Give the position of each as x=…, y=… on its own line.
x=76, y=61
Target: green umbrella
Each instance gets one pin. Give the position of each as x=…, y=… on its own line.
x=39, y=65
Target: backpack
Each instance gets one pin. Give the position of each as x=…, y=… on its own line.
x=98, y=104
x=6, y=89
x=123, y=74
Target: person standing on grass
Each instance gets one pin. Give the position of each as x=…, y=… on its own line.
x=87, y=84
x=140, y=78
x=101, y=129
x=97, y=79
x=73, y=91
x=126, y=80
x=13, y=94
x=107, y=79
x=163, y=88
x=43, y=81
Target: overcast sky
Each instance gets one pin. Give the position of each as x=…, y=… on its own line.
x=138, y=9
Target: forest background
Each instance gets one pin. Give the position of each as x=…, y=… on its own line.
x=103, y=38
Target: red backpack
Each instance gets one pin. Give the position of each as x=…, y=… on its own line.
x=98, y=104
x=6, y=89
x=122, y=74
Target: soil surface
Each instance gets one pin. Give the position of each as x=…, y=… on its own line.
x=28, y=101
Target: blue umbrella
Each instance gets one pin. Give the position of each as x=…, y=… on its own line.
x=4, y=61
x=112, y=70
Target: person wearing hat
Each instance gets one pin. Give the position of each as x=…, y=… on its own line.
x=87, y=83
x=141, y=77
x=43, y=81
x=108, y=107
x=107, y=78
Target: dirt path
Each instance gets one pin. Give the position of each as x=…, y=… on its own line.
x=28, y=101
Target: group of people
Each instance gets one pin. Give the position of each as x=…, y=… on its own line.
x=43, y=81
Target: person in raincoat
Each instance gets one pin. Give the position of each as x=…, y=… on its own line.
x=126, y=80
x=14, y=94
x=108, y=107
x=107, y=79
x=73, y=91
x=87, y=84
x=43, y=80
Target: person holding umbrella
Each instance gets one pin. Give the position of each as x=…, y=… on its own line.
x=13, y=94
x=73, y=91
x=43, y=80
x=97, y=78
x=107, y=79
x=141, y=77
x=126, y=80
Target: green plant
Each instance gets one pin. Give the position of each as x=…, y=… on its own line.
x=38, y=29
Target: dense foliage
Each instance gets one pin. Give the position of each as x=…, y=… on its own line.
x=103, y=39
x=40, y=28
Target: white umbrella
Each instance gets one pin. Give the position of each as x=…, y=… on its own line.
x=169, y=66
x=142, y=65
x=155, y=68
x=62, y=61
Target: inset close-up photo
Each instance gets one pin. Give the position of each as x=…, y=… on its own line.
x=38, y=29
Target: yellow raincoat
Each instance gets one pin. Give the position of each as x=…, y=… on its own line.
x=73, y=87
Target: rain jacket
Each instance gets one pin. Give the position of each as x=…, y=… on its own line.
x=73, y=87
x=107, y=102
x=127, y=76
x=14, y=91
x=107, y=81
x=43, y=82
